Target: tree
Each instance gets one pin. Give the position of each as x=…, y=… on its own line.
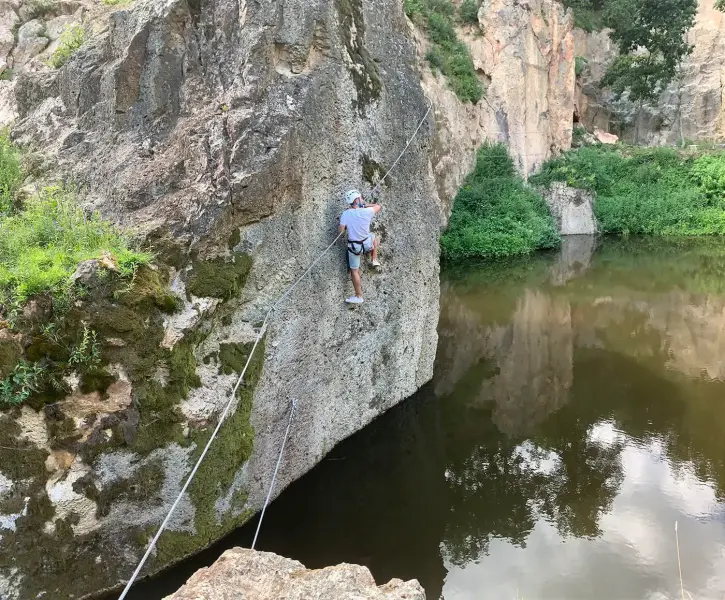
x=720, y=5
x=651, y=38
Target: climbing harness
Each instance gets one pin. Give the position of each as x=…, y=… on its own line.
x=357, y=247
x=227, y=408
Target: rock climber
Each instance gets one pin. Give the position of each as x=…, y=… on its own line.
x=356, y=220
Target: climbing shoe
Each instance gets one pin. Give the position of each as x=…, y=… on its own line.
x=354, y=300
x=376, y=263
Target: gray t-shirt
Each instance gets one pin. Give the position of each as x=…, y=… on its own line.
x=357, y=221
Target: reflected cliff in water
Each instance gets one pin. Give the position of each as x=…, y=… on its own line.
x=577, y=412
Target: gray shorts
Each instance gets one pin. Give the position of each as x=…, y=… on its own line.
x=353, y=260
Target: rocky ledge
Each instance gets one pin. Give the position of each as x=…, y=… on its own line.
x=243, y=574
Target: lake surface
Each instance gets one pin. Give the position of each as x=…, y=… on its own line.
x=576, y=414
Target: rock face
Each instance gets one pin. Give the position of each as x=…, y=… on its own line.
x=573, y=209
x=224, y=133
x=690, y=109
x=242, y=574
x=524, y=51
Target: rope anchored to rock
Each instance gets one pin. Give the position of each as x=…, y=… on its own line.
x=229, y=404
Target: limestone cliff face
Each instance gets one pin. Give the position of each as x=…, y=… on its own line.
x=524, y=51
x=690, y=109
x=224, y=133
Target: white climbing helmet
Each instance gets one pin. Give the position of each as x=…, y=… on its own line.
x=352, y=195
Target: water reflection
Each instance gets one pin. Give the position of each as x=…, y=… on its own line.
x=598, y=421
x=577, y=411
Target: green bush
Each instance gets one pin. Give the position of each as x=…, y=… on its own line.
x=588, y=14
x=71, y=39
x=448, y=54
x=708, y=173
x=10, y=173
x=653, y=191
x=41, y=246
x=495, y=214
x=17, y=387
x=468, y=12
x=580, y=63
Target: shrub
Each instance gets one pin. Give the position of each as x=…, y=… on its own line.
x=71, y=39
x=653, y=191
x=588, y=14
x=10, y=173
x=708, y=173
x=495, y=214
x=580, y=63
x=17, y=387
x=41, y=246
x=448, y=54
x=6, y=74
x=468, y=12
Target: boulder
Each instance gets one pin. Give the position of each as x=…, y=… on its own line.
x=8, y=20
x=31, y=42
x=604, y=137
x=572, y=208
x=242, y=574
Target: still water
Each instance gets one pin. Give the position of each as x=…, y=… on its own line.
x=576, y=414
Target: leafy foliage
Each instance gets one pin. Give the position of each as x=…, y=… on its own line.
x=17, y=387
x=87, y=353
x=495, y=214
x=448, y=54
x=41, y=246
x=10, y=173
x=71, y=39
x=648, y=190
x=651, y=38
x=708, y=172
x=580, y=63
x=468, y=12
x=587, y=13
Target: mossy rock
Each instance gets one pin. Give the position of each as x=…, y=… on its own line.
x=22, y=460
x=218, y=277
x=10, y=353
x=230, y=450
x=364, y=70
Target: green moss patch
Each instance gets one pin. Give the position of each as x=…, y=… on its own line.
x=372, y=171
x=22, y=460
x=364, y=70
x=218, y=277
x=230, y=450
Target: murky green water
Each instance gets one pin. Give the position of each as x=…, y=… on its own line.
x=577, y=413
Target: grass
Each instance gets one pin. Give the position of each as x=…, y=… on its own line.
x=448, y=54
x=71, y=39
x=651, y=191
x=495, y=214
x=41, y=246
x=10, y=173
